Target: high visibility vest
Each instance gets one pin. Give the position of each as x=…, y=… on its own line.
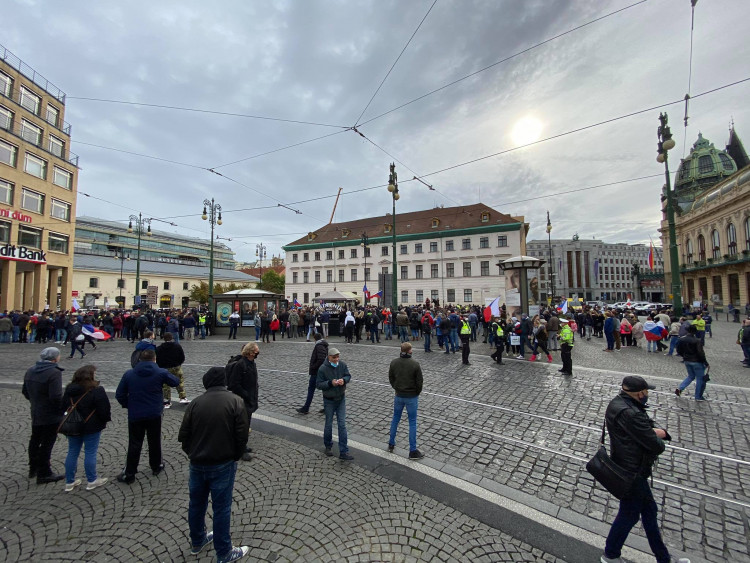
x=201, y=319
x=566, y=335
x=465, y=328
x=700, y=324
x=500, y=332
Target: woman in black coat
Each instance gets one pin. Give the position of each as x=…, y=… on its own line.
x=92, y=404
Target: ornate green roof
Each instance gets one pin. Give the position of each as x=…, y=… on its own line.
x=703, y=168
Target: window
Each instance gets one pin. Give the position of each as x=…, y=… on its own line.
x=404, y=272
x=295, y=277
x=449, y=272
x=53, y=114
x=484, y=268
x=731, y=239
x=144, y=284
x=6, y=192
x=354, y=274
x=341, y=254
x=466, y=244
x=367, y=274
x=450, y=295
x=317, y=276
x=306, y=257
x=341, y=275
x=420, y=296
x=448, y=245
x=467, y=269
x=329, y=254
x=29, y=236
x=6, y=118
x=434, y=272
x=418, y=248
x=59, y=210
x=484, y=242
x=317, y=256
x=433, y=294
x=435, y=223
x=467, y=296
x=747, y=233
x=345, y=233
x=184, y=285
x=93, y=282
x=433, y=247
x=29, y=100
x=419, y=273
x=403, y=249
x=387, y=228
x=404, y=296
x=485, y=217
x=705, y=164
x=305, y=277
x=502, y=240
x=32, y=201
x=31, y=133
x=715, y=244
x=6, y=84
x=384, y=251
x=726, y=162
x=295, y=257
x=367, y=252
x=353, y=253
x=306, y=297
x=35, y=166
x=384, y=270
x=329, y=276
x=8, y=153
x=701, y=248
x=57, y=243
x=166, y=285
x=62, y=178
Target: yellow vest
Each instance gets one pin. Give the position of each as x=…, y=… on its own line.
x=566, y=334
x=465, y=328
x=500, y=332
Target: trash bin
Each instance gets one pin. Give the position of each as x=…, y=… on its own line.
x=333, y=326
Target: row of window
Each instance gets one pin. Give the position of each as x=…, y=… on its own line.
x=31, y=133
x=731, y=235
x=419, y=272
x=419, y=296
x=35, y=165
x=484, y=242
x=32, y=238
x=34, y=201
x=29, y=100
x=94, y=283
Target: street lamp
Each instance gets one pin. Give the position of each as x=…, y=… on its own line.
x=139, y=222
x=363, y=244
x=260, y=252
x=550, y=273
x=213, y=216
x=393, y=188
x=665, y=144
x=121, y=256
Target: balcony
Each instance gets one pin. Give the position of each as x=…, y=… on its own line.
x=726, y=260
x=36, y=138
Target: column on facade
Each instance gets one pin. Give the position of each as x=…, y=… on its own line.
x=39, y=297
x=8, y=285
x=66, y=288
x=52, y=274
x=28, y=290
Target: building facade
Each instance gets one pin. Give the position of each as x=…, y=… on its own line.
x=594, y=270
x=38, y=183
x=444, y=254
x=170, y=265
x=712, y=224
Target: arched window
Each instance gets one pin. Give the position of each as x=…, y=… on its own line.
x=747, y=233
x=705, y=164
x=726, y=162
x=715, y=244
x=701, y=248
x=689, y=250
x=731, y=240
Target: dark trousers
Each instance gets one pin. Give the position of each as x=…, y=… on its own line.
x=567, y=358
x=42, y=441
x=310, y=391
x=465, y=348
x=638, y=503
x=151, y=429
x=498, y=355
x=232, y=332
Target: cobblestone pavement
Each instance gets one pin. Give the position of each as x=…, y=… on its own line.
x=290, y=504
x=522, y=425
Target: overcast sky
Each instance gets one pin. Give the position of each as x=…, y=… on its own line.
x=322, y=61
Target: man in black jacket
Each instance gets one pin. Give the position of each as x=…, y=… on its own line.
x=690, y=348
x=171, y=356
x=243, y=381
x=635, y=443
x=405, y=375
x=214, y=435
x=318, y=357
x=42, y=386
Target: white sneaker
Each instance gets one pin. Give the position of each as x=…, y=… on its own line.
x=91, y=485
x=519, y=357
x=184, y=401
x=167, y=405
x=70, y=486
x=605, y=559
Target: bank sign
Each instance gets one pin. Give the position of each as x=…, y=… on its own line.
x=22, y=254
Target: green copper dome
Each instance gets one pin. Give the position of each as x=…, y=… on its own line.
x=704, y=167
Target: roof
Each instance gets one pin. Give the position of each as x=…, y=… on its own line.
x=258, y=271
x=247, y=292
x=409, y=223
x=107, y=263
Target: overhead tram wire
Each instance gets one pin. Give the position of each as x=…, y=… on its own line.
x=541, y=43
x=394, y=63
x=140, y=154
x=690, y=74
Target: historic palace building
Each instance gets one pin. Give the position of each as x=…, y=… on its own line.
x=38, y=178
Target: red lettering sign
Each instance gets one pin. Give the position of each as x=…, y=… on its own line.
x=22, y=217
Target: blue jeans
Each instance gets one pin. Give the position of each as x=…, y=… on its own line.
x=673, y=340
x=638, y=503
x=427, y=339
x=374, y=334
x=59, y=334
x=202, y=329
x=257, y=332
x=16, y=332
x=388, y=330
x=338, y=408
x=5, y=337
x=219, y=481
x=651, y=345
x=454, y=339
x=91, y=443
x=402, y=334
x=310, y=391
x=411, y=404
x=696, y=371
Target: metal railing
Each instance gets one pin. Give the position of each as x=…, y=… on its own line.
x=15, y=97
x=30, y=136
x=31, y=74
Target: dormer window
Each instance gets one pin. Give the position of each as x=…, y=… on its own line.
x=387, y=228
x=435, y=222
x=485, y=217
x=345, y=233
x=311, y=236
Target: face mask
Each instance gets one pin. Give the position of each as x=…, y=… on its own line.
x=644, y=400
x=334, y=364
x=257, y=354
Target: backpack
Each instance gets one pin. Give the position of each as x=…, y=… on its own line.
x=231, y=364
x=135, y=357
x=426, y=328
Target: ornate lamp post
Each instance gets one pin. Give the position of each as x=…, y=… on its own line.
x=665, y=144
x=121, y=256
x=550, y=270
x=365, y=248
x=260, y=252
x=393, y=188
x=212, y=214
x=139, y=223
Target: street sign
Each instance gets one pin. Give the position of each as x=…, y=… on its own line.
x=152, y=294
x=74, y=294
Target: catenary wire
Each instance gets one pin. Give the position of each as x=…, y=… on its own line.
x=139, y=154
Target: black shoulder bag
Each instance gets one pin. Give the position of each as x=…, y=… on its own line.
x=73, y=423
x=608, y=474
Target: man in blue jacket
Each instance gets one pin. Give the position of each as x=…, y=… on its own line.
x=333, y=376
x=140, y=391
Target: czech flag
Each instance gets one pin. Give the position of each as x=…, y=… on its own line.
x=563, y=309
x=654, y=331
x=379, y=294
x=75, y=306
x=651, y=256
x=366, y=292
x=492, y=310
x=296, y=303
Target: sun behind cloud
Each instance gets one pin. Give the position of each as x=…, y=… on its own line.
x=526, y=130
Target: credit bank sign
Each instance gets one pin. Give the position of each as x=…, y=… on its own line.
x=22, y=254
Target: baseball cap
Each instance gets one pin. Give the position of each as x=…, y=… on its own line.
x=635, y=383
x=334, y=352
x=564, y=321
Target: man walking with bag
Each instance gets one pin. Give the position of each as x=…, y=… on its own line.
x=635, y=443
x=242, y=380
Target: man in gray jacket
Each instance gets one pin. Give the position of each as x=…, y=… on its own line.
x=405, y=375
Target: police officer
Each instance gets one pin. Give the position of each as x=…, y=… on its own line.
x=202, y=325
x=465, y=336
x=566, y=347
x=499, y=337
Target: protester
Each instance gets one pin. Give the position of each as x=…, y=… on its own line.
x=242, y=380
x=140, y=391
x=92, y=404
x=333, y=377
x=690, y=348
x=405, y=376
x=499, y=340
x=540, y=341
x=317, y=359
x=743, y=339
x=171, y=356
x=42, y=386
x=214, y=434
x=76, y=337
